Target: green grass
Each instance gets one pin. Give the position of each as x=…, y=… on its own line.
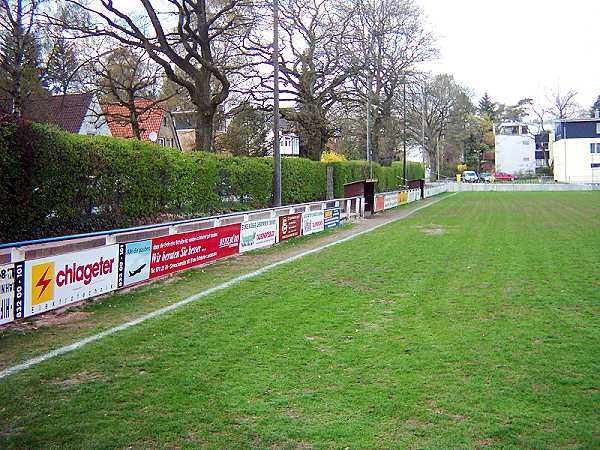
x=473, y=324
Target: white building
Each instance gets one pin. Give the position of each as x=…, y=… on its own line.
x=577, y=150
x=515, y=149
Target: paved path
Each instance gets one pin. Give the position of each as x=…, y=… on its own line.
x=266, y=262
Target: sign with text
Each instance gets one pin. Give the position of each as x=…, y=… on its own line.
x=134, y=262
x=290, y=226
x=332, y=217
x=379, y=203
x=258, y=234
x=402, y=197
x=7, y=293
x=390, y=201
x=313, y=222
x=60, y=280
x=182, y=251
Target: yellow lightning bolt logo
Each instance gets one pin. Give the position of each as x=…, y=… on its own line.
x=42, y=286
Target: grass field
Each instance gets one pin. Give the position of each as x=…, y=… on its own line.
x=473, y=324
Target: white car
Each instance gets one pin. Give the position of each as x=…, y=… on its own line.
x=470, y=176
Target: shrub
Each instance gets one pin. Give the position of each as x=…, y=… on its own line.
x=54, y=183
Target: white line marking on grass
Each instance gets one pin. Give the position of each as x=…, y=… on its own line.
x=159, y=312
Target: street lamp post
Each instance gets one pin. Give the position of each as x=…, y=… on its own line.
x=276, y=143
x=404, y=131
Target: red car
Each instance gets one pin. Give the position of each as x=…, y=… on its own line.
x=502, y=176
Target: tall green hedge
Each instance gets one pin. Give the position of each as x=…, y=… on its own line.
x=53, y=182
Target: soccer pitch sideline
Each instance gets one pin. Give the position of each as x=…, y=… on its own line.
x=474, y=323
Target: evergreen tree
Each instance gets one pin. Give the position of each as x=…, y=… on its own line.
x=487, y=106
x=20, y=53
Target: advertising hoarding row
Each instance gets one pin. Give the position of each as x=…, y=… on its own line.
x=36, y=286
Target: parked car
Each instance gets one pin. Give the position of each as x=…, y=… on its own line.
x=470, y=176
x=503, y=176
x=485, y=177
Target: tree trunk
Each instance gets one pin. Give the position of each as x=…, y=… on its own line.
x=204, y=131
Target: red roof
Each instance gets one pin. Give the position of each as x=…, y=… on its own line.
x=117, y=117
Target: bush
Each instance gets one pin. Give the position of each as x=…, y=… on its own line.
x=55, y=183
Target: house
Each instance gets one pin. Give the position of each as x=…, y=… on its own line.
x=289, y=140
x=185, y=125
x=75, y=113
x=156, y=124
x=514, y=148
x=576, y=150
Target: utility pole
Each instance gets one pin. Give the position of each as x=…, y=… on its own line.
x=276, y=143
x=404, y=131
x=369, y=156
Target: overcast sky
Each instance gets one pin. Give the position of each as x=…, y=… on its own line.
x=518, y=48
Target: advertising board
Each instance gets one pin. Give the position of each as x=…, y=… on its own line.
x=59, y=280
x=312, y=222
x=332, y=217
x=258, y=234
x=390, y=200
x=402, y=197
x=290, y=226
x=181, y=251
x=379, y=203
x=134, y=262
x=7, y=293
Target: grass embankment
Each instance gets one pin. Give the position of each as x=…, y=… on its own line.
x=474, y=323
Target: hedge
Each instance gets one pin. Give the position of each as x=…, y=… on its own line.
x=53, y=182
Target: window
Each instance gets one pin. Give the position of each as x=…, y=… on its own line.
x=524, y=129
x=597, y=127
x=595, y=165
x=594, y=148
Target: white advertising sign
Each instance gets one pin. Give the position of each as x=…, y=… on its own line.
x=60, y=280
x=313, y=222
x=390, y=201
x=7, y=285
x=258, y=234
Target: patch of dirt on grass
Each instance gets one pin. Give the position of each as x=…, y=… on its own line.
x=484, y=443
x=382, y=302
x=415, y=424
x=431, y=229
x=354, y=284
x=79, y=378
x=75, y=319
x=434, y=409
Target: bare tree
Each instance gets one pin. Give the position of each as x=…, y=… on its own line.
x=563, y=105
x=438, y=110
x=183, y=37
x=128, y=79
x=314, y=67
x=391, y=37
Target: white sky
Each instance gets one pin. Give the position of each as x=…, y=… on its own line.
x=518, y=48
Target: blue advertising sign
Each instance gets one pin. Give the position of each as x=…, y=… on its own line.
x=134, y=262
x=332, y=217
